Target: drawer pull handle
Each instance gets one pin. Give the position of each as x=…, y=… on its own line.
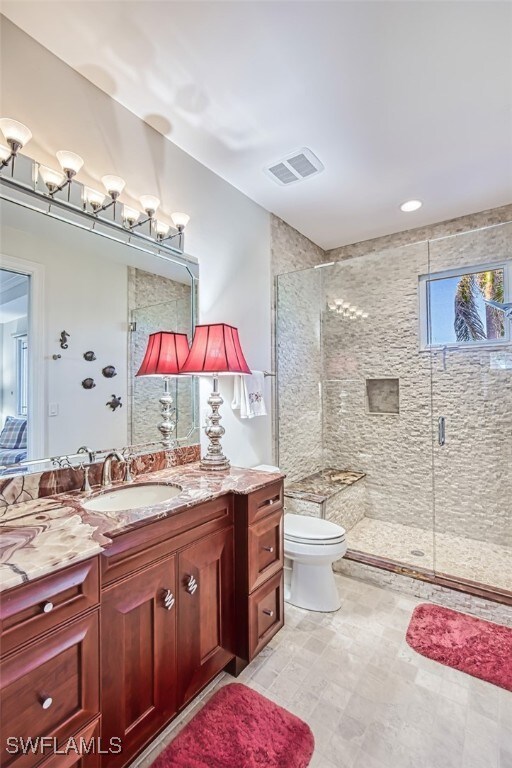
x=47, y=607
x=46, y=702
x=168, y=599
x=268, y=612
x=268, y=549
x=191, y=585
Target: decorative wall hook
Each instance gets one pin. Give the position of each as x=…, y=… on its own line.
x=88, y=384
x=109, y=371
x=89, y=356
x=56, y=357
x=115, y=402
x=64, y=336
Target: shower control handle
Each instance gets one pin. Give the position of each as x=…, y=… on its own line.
x=441, y=430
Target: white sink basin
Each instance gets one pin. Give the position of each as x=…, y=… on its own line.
x=132, y=497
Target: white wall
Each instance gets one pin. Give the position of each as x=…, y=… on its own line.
x=86, y=294
x=228, y=233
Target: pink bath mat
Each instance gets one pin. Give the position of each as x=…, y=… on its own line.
x=239, y=728
x=477, y=647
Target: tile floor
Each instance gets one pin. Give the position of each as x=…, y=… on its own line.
x=371, y=701
x=480, y=561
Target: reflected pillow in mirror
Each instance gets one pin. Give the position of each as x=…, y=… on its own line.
x=14, y=433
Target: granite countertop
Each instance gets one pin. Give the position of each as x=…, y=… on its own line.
x=42, y=536
x=322, y=485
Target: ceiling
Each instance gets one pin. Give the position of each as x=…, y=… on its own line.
x=399, y=100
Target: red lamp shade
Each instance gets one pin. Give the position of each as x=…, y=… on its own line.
x=216, y=349
x=165, y=354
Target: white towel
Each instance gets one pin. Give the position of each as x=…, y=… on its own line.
x=248, y=395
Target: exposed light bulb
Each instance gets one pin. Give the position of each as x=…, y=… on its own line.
x=94, y=198
x=411, y=205
x=51, y=178
x=5, y=152
x=130, y=215
x=114, y=185
x=15, y=132
x=70, y=162
x=149, y=203
x=180, y=220
x=162, y=228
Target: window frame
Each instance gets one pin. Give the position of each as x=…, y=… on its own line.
x=425, y=313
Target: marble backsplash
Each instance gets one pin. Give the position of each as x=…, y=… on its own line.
x=28, y=487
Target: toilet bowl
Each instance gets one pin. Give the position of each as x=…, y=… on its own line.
x=313, y=545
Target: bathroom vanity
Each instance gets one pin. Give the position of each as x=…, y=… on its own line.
x=117, y=644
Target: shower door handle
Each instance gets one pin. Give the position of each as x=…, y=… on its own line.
x=441, y=430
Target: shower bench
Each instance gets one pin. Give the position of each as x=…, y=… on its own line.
x=333, y=494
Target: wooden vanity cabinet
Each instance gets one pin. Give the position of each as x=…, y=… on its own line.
x=205, y=611
x=167, y=627
x=138, y=657
x=259, y=561
x=121, y=642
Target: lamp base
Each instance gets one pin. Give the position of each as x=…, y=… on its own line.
x=214, y=464
x=214, y=460
x=167, y=427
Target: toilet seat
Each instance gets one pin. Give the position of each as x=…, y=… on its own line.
x=303, y=529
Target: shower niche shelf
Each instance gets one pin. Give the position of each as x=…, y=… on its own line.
x=382, y=396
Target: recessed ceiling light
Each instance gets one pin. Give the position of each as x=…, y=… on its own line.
x=411, y=205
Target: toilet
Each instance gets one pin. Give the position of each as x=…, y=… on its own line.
x=311, y=545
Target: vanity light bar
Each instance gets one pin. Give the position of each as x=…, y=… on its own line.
x=18, y=135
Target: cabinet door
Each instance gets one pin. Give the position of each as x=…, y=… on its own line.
x=138, y=618
x=49, y=689
x=206, y=611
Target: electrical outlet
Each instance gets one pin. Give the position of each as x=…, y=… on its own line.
x=53, y=409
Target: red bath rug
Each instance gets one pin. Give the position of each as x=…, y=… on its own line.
x=239, y=728
x=477, y=647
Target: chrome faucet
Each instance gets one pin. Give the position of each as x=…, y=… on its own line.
x=106, y=475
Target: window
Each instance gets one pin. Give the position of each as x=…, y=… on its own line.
x=462, y=307
x=22, y=375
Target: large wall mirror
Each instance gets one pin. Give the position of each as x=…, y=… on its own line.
x=76, y=311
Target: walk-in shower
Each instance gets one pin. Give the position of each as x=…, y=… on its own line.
x=394, y=367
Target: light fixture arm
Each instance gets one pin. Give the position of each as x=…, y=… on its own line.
x=15, y=148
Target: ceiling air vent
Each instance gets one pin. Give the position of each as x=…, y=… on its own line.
x=297, y=166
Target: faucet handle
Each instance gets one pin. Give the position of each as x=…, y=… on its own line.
x=128, y=477
x=86, y=486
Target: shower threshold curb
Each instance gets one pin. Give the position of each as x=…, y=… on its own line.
x=501, y=596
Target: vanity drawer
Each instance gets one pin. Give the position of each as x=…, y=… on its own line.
x=31, y=609
x=134, y=550
x=264, y=501
x=50, y=688
x=265, y=548
x=87, y=742
x=266, y=613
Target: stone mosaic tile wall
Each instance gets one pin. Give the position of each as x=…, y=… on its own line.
x=290, y=250
x=473, y=481
x=394, y=450
x=299, y=368
x=409, y=236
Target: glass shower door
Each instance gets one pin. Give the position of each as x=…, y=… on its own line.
x=471, y=358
